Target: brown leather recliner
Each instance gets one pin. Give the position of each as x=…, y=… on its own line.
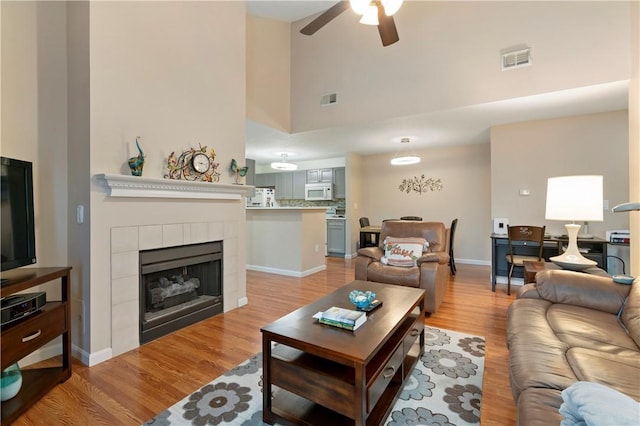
x=431, y=272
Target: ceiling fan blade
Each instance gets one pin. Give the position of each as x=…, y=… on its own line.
x=386, y=27
x=326, y=17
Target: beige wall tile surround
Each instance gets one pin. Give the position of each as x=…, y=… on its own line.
x=125, y=301
x=151, y=237
x=172, y=235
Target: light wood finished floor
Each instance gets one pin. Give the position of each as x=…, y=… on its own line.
x=133, y=387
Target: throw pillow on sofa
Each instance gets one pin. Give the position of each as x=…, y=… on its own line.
x=594, y=404
x=403, y=251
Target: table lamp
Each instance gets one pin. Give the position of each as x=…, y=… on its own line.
x=574, y=198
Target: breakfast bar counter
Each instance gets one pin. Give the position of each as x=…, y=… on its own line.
x=286, y=240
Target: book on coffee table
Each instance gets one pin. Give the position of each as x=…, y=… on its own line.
x=342, y=318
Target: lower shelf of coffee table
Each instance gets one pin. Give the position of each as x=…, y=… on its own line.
x=296, y=410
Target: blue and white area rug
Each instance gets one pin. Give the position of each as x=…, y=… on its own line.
x=445, y=389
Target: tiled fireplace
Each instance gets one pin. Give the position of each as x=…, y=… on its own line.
x=211, y=212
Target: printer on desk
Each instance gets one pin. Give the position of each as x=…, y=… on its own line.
x=619, y=237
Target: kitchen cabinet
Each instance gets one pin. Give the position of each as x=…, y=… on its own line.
x=299, y=180
x=284, y=185
x=339, y=185
x=320, y=176
x=265, y=179
x=335, y=237
x=250, y=178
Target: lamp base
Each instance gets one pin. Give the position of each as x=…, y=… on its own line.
x=572, y=259
x=571, y=264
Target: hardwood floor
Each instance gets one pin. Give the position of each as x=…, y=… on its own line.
x=133, y=387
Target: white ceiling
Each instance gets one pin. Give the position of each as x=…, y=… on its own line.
x=458, y=126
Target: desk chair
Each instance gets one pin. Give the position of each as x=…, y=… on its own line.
x=452, y=233
x=525, y=234
x=369, y=238
x=418, y=218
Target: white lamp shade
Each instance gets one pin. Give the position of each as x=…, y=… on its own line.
x=360, y=6
x=370, y=16
x=391, y=6
x=574, y=198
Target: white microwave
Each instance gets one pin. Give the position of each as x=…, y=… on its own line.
x=318, y=191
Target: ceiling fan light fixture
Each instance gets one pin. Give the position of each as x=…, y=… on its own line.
x=360, y=6
x=405, y=160
x=370, y=17
x=391, y=6
x=284, y=165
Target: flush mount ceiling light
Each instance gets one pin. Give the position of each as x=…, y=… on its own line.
x=403, y=160
x=284, y=165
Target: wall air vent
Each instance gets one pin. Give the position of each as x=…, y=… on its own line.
x=329, y=99
x=516, y=59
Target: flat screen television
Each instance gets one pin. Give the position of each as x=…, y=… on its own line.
x=18, y=239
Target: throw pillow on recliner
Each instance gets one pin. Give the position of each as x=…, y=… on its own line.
x=403, y=251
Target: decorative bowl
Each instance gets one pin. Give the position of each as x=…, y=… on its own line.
x=361, y=299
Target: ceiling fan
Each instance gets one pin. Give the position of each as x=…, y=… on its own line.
x=374, y=12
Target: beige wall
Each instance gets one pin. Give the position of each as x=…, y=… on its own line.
x=634, y=138
x=355, y=206
x=465, y=172
x=574, y=44
x=269, y=72
x=160, y=70
x=34, y=117
x=525, y=155
x=34, y=124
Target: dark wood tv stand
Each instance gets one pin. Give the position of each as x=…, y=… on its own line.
x=24, y=336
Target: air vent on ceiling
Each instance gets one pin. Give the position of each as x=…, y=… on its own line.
x=516, y=59
x=329, y=99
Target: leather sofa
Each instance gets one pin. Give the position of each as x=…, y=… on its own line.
x=569, y=327
x=431, y=271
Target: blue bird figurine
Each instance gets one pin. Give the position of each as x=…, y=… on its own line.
x=136, y=163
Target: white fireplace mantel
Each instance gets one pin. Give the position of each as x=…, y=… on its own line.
x=138, y=186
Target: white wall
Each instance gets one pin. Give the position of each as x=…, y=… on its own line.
x=525, y=155
x=449, y=56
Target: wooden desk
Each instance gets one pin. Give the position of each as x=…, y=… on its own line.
x=552, y=247
x=372, y=230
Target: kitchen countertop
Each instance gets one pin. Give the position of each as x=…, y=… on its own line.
x=286, y=208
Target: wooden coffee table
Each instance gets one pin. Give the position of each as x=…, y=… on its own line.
x=331, y=376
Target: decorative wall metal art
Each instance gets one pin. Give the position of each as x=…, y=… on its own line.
x=420, y=185
x=136, y=163
x=193, y=164
x=239, y=171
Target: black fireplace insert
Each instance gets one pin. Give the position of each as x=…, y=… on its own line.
x=179, y=286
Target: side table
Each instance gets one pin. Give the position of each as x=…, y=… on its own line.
x=532, y=267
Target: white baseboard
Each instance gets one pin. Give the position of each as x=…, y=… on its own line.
x=91, y=359
x=286, y=272
x=473, y=262
x=514, y=281
x=242, y=301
